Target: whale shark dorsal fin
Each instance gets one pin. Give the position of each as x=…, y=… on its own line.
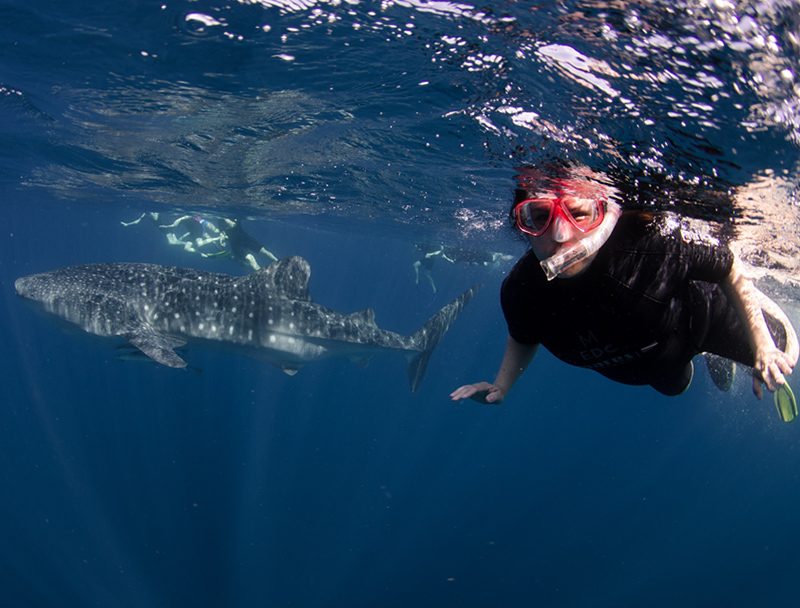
x=289, y=277
x=155, y=345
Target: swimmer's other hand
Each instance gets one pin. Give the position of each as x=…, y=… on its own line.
x=771, y=365
x=482, y=392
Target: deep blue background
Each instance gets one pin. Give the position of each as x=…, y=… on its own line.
x=132, y=484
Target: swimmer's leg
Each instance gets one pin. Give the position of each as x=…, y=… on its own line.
x=250, y=262
x=721, y=370
x=174, y=224
x=677, y=384
x=267, y=254
x=430, y=280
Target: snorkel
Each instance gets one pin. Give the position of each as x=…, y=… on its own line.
x=568, y=256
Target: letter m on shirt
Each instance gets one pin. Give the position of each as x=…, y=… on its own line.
x=587, y=339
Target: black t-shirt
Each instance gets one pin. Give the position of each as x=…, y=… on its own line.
x=629, y=315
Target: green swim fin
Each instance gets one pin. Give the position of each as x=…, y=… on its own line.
x=786, y=403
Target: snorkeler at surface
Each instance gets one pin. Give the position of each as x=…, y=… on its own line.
x=224, y=240
x=191, y=232
x=195, y=234
x=628, y=295
x=428, y=253
x=243, y=247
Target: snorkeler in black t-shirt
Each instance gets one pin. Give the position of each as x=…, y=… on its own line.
x=633, y=298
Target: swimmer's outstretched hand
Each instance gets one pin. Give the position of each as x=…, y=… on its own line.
x=771, y=365
x=482, y=392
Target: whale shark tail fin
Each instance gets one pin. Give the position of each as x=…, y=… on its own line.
x=428, y=336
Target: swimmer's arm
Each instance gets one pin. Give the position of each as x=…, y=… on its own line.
x=202, y=242
x=769, y=360
x=134, y=222
x=516, y=359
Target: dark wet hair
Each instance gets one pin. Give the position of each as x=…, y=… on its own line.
x=520, y=194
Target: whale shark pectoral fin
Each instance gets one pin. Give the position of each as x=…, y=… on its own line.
x=362, y=362
x=155, y=345
x=288, y=368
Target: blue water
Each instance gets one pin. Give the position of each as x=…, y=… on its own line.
x=345, y=133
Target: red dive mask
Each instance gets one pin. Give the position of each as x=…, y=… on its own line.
x=535, y=215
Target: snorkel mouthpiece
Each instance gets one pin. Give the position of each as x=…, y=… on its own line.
x=568, y=256
x=558, y=263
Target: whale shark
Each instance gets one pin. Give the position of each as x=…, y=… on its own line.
x=267, y=315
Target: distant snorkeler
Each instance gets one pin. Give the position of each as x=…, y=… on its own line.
x=631, y=296
x=225, y=239
x=475, y=257
x=428, y=253
x=189, y=231
x=243, y=247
